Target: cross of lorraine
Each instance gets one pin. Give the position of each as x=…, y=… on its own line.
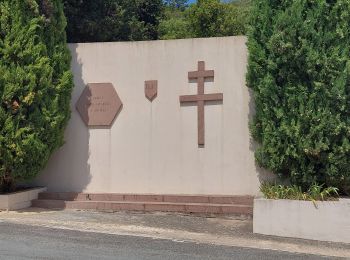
x=200, y=75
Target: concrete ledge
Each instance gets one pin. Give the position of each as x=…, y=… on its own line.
x=329, y=221
x=19, y=200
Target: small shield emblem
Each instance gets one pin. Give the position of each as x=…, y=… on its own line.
x=151, y=89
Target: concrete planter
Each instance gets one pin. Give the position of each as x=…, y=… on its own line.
x=19, y=200
x=329, y=221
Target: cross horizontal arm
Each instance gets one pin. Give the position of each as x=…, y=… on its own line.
x=205, y=97
x=201, y=74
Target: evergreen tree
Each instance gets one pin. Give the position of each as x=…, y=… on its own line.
x=213, y=18
x=299, y=69
x=180, y=4
x=205, y=18
x=112, y=20
x=175, y=23
x=35, y=86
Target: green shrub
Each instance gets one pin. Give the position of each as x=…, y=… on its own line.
x=213, y=18
x=299, y=70
x=35, y=86
x=175, y=25
x=205, y=18
x=112, y=20
x=314, y=193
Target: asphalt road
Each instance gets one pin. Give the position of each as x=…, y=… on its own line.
x=28, y=242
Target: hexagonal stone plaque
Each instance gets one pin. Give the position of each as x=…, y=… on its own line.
x=99, y=104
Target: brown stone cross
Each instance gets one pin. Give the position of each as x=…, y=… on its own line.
x=201, y=98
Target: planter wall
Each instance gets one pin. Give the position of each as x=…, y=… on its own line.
x=19, y=200
x=330, y=221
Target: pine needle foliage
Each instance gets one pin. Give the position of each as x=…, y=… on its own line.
x=35, y=86
x=299, y=71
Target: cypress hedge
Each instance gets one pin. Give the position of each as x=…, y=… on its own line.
x=35, y=86
x=299, y=71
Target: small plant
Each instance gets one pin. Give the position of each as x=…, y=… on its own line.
x=314, y=193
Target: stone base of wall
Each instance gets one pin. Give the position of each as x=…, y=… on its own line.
x=325, y=221
x=19, y=200
x=201, y=204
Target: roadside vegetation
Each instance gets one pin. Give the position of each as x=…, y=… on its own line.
x=299, y=71
x=206, y=18
x=135, y=20
x=112, y=20
x=314, y=193
x=35, y=87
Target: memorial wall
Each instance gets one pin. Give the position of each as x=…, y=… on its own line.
x=158, y=117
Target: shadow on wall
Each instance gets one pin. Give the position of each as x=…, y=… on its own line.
x=264, y=175
x=68, y=168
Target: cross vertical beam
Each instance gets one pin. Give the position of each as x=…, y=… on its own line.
x=200, y=75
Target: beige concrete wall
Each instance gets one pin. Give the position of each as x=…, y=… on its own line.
x=152, y=147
